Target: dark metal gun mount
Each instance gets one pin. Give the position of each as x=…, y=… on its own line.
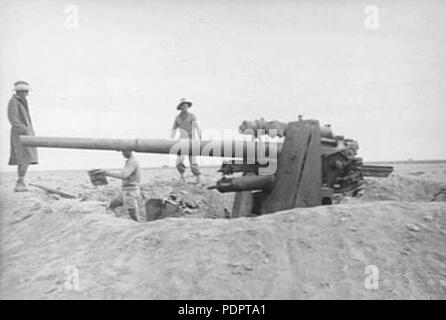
x=307, y=169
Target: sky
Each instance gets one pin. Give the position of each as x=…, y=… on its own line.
x=121, y=70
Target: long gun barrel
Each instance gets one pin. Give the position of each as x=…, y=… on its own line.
x=223, y=148
x=241, y=149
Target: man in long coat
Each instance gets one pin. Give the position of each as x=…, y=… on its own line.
x=20, y=119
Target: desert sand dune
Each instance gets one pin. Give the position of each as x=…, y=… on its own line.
x=307, y=253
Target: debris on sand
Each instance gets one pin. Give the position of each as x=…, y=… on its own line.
x=175, y=205
x=53, y=191
x=440, y=195
x=176, y=199
x=413, y=227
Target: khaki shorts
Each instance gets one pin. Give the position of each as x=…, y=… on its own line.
x=130, y=198
x=181, y=166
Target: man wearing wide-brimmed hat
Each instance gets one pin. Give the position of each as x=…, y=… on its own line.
x=20, y=119
x=187, y=124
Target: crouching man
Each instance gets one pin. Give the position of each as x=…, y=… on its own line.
x=130, y=196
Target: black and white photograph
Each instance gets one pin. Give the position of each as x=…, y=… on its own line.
x=238, y=151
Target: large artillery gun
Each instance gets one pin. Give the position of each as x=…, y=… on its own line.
x=309, y=168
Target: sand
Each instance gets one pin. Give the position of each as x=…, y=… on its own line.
x=307, y=253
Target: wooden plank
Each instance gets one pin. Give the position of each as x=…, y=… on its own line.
x=54, y=191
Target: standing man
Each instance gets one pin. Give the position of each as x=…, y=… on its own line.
x=20, y=119
x=130, y=196
x=187, y=123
